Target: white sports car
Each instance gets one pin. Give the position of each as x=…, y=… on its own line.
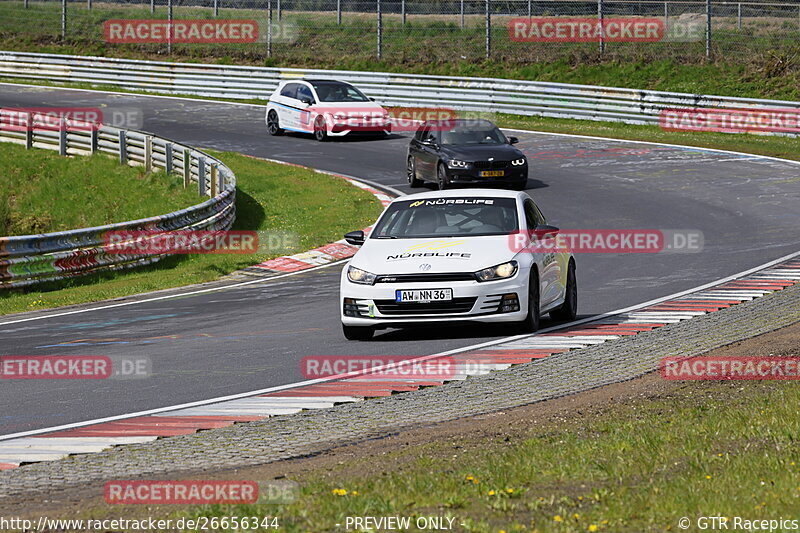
x=324, y=108
x=461, y=255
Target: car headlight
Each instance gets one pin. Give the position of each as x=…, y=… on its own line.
x=503, y=271
x=455, y=163
x=518, y=162
x=356, y=275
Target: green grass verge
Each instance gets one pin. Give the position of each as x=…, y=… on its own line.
x=44, y=192
x=762, y=60
x=768, y=145
x=270, y=197
x=706, y=449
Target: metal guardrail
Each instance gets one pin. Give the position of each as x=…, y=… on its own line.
x=30, y=259
x=493, y=95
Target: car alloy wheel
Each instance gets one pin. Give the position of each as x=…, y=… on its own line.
x=569, y=310
x=441, y=178
x=320, y=131
x=531, y=322
x=273, y=124
x=411, y=173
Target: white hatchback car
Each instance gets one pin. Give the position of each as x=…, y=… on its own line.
x=324, y=108
x=450, y=256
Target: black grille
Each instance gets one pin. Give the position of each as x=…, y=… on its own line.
x=454, y=306
x=485, y=165
x=424, y=278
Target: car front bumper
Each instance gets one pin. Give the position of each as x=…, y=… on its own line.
x=338, y=129
x=471, y=176
x=472, y=302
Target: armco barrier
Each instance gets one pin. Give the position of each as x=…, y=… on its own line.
x=31, y=259
x=469, y=94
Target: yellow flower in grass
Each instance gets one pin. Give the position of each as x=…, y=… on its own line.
x=510, y=491
x=491, y=493
x=592, y=527
x=708, y=477
x=354, y=493
x=576, y=516
x=557, y=518
x=339, y=492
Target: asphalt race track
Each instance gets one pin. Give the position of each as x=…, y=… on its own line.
x=250, y=338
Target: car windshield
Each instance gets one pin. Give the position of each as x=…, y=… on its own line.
x=448, y=217
x=464, y=134
x=332, y=91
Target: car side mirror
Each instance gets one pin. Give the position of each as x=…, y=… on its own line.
x=513, y=140
x=546, y=231
x=306, y=100
x=430, y=141
x=355, y=238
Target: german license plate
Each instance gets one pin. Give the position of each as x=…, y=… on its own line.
x=493, y=173
x=423, y=295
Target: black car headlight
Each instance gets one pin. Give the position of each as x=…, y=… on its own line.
x=502, y=271
x=455, y=163
x=356, y=275
x=518, y=162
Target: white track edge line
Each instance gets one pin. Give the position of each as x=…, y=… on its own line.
x=422, y=358
x=441, y=354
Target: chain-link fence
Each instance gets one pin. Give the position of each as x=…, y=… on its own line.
x=308, y=31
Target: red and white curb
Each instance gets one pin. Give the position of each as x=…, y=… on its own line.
x=322, y=394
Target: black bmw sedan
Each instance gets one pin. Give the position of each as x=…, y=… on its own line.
x=465, y=152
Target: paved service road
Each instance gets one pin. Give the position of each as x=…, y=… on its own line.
x=249, y=338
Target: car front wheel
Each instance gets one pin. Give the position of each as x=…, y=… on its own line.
x=569, y=310
x=411, y=173
x=531, y=322
x=441, y=178
x=357, y=333
x=320, y=130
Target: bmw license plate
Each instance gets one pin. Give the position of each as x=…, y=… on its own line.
x=493, y=173
x=423, y=295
